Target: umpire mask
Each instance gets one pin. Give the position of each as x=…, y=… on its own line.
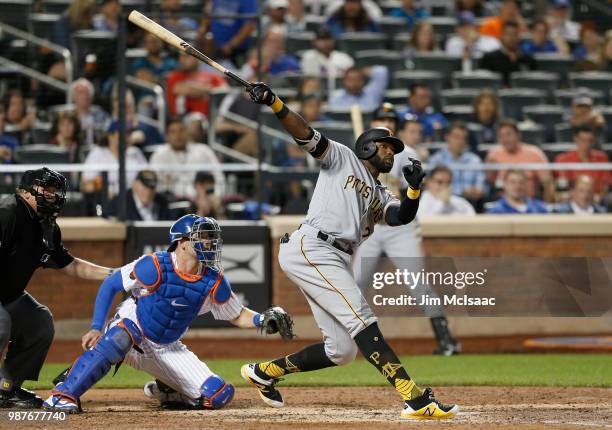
x=48, y=188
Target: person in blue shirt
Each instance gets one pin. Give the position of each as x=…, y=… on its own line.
x=351, y=17
x=8, y=144
x=540, y=41
x=411, y=12
x=419, y=104
x=515, y=199
x=156, y=65
x=166, y=292
x=355, y=90
x=469, y=184
x=231, y=35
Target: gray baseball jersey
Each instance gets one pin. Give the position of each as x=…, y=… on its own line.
x=347, y=201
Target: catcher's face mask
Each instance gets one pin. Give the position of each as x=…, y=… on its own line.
x=205, y=238
x=48, y=188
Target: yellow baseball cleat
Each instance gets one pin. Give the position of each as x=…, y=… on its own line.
x=426, y=407
x=268, y=393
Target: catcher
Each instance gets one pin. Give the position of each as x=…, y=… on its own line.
x=168, y=290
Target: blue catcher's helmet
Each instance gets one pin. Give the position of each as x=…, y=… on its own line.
x=203, y=233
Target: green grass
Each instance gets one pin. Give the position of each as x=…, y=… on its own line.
x=558, y=370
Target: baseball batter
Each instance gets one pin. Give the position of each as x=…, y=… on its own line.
x=403, y=244
x=168, y=290
x=348, y=201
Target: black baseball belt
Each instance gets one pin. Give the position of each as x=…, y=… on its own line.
x=327, y=238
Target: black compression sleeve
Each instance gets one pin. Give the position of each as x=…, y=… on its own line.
x=402, y=214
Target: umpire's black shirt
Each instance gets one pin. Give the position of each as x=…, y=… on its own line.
x=22, y=250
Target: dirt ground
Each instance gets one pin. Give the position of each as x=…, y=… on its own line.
x=350, y=408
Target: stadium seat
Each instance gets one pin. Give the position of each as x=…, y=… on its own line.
x=561, y=64
x=360, y=41
x=299, y=41
x=373, y=57
x=341, y=132
x=546, y=81
x=458, y=96
x=398, y=96
x=598, y=81
x=532, y=133
x=343, y=115
x=440, y=62
x=391, y=25
x=547, y=115
x=405, y=78
x=399, y=41
x=41, y=154
x=551, y=150
x=15, y=12
x=388, y=5
x=513, y=100
x=41, y=132
x=313, y=22
x=564, y=133
x=443, y=25
x=101, y=43
x=55, y=6
x=565, y=97
x=41, y=24
x=462, y=113
x=477, y=79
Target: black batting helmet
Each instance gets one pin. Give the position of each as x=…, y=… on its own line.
x=365, y=147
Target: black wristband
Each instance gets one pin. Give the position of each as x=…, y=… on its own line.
x=282, y=113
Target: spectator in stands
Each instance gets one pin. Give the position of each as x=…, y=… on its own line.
x=486, y=114
x=144, y=203
x=108, y=17
x=66, y=133
x=324, y=60
x=419, y=104
x=356, y=91
x=582, y=200
x=606, y=54
x=508, y=58
x=411, y=133
x=276, y=17
x=188, y=88
x=180, y=152
x=19, y=117
x=310, y=86
x=480, y=8
x=93, y=119
x=206, y=202
x=171, y=17
x=351, y=17
x=332, y=6
x=583, y=113
x=469, y=184
x=296, y=16
x=516, y=198
x=108, y=153
x=411, y=11
x=233, y=133
x=232, y=35
x=511, y=150
x=438, y=198
x=156, y=65
x=422, y=41
x=588, y=51
x=78, y=16
x=509, y=11
x=561, y=26
x=8, y=144
x=540, y=41
x=138, y=132
x=585, y=139
x=467, y=41
x=275, y=59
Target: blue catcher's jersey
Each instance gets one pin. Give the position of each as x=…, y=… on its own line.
x=173, y=299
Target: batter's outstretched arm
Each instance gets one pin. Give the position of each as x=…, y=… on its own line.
x=304, y=135
x=407, y=210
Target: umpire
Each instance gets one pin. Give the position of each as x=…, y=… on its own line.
x=30, y=238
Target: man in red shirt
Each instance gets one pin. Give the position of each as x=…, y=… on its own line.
x=188, y=88
x=584, y=138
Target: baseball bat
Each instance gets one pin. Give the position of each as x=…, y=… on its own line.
x=170, y=38
x=357, y=120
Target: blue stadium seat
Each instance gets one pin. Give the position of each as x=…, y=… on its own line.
x=41, y=24
x=458, y=96
x=598, y=81
x=547, y=81
x=438, y=61
x=462, y=113
x=561, y=64
x=431, y=78
x=565, y=97
x=301, y=41
x=477, y=79
x=383, y=57
x=398, y=96
x=547, y=115
x=532, y=133
x=391, y=25
x=15, y=12
x=513, y=100
x=55, y=6
x=41, y=154
x=360, y=41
